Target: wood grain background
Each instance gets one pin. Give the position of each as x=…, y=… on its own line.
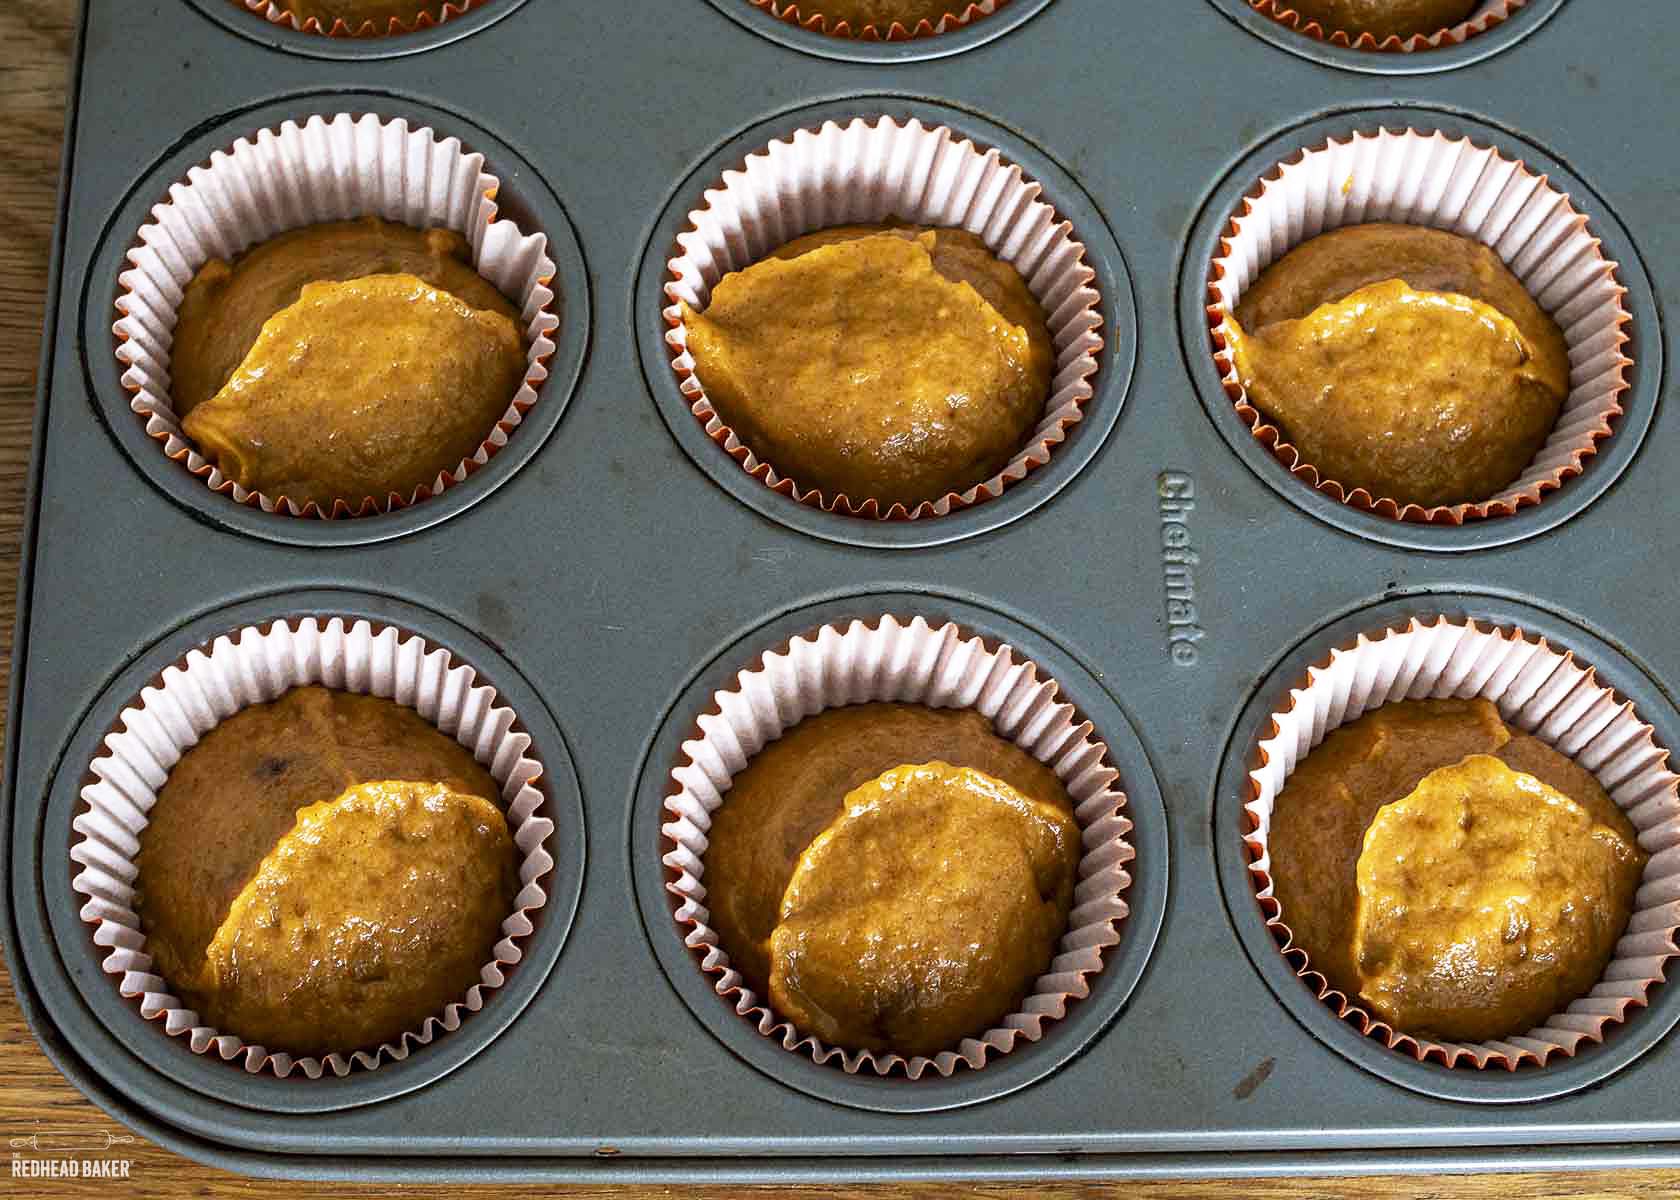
x=36, y=37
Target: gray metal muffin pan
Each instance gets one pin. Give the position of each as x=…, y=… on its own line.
x=606, y=574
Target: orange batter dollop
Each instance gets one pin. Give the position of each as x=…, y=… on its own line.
x=375, y=911
x=924, y=912
x=1487, y=902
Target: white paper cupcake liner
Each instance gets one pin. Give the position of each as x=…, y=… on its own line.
x=867, y=171
x=1487, y=16
x=302, y=175
x=1414, y=178
x=914, y=664
x=809, y=15
x=255, y=666
x=1543, y=692
x=278, y=15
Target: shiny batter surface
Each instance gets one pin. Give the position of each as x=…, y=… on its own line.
x=366, y=387
x=924, y=912
x=876, y=361
x=1487, y=902
x=354, y=12
x=233, y=796
x=882, y=13
x=375, y=911
x=1385, y=18
x=1403, y=360
x=795, y=787
x=1320, y=818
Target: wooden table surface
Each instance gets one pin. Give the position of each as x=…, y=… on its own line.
x=36, y=38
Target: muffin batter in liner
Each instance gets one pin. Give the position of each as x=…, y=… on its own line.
x=863, y=173
x=810, y=16
x=254, y=666
x=278, y=15
x=1487, y=16
x=1538, y=690
x=302, y=175
x=912, y=663
x=1427, y=179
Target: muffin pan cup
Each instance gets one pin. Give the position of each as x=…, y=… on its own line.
x=324, y=129
x=910, y=662
x=1428, y=180
x=1548, y=677
x=245, y=653
x=1540, y=691
x=846, y=649
x=335, y=169
x=257, y=665
x=1162, y=567
x=1428, y=166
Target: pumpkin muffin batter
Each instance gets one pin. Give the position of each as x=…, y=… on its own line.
x=1403, y=360
x=924, y=912
x=231, y=798
x=796, y=786
x=372, y=914
x=882, y=13
x=1321, y=817
x=1383, y=19
x=876, y=361
x=344, y=392
x=356, y=13
x=370, y=387
x=1487, y=902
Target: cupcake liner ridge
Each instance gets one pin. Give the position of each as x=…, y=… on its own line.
x=810, y=16
x=1488, y=15
x=277, y=12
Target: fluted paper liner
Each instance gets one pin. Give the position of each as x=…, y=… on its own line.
x=323, y=170
x=1487, y=16
x=1541, y=691
x=864, y=172
x=254, y=666
x=1415, y=178
x=912, y=663
x=810, y=16
x=279, y=14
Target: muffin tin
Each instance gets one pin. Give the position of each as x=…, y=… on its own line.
x=611, y=568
